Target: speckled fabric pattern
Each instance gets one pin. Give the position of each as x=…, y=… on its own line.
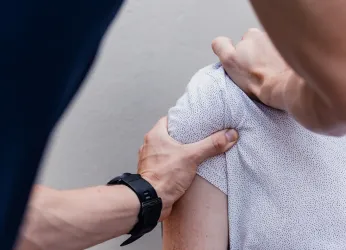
x=286, y=186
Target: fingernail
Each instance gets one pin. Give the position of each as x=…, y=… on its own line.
x=231, y=135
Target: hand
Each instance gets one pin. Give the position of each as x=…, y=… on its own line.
x=255, y=66
x=170, y=167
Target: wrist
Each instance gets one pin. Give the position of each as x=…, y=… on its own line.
x=162, y=192
x=130, y=200
x=150, y=204
x=274, y=91
x=291, y=90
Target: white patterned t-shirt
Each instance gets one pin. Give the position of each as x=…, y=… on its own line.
x=286, y=186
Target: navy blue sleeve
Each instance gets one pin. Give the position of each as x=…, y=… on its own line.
x=46, y=49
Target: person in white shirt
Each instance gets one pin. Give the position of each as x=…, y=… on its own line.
x=281, y=187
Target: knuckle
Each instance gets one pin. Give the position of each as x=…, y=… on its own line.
x=246, y=35
x=140, y=150
x=147, y=137
x=251, y=33
x=163, y=120
x=254, y=30
x=189, y=155
x=218, y=144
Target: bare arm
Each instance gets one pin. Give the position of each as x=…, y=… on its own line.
x=77, y=219
x=309, y=35
x=198, y=220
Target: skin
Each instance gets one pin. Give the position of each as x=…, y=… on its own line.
x=78, y=219
x=199, y=220
x=308, y=34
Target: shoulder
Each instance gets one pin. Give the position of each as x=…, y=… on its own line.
x=206, y=91
x=209, y=77
x=199, y=112
x=216, y=90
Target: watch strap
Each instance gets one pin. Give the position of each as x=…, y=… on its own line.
x=150, y=204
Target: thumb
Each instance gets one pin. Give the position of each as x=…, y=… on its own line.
x=223, y=48
x=213, y=145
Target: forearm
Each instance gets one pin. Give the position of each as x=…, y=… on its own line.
x=307, y=106
x=77, y=219
x=308, y=35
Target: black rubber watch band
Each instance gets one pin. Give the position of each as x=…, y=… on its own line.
x=151, y=204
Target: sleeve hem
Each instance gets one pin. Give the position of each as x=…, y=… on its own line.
x=222, y=186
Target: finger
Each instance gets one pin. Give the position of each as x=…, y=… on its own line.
x=160, y=131
x=164, y=121
x=251, y=33
x=213, y=145
x=140, y=151
x=163, y=124
x=224, y=49
x=160, y=127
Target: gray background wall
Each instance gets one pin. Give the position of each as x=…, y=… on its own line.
x=146, y=60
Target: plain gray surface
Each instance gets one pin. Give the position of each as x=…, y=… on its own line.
x=148, y=57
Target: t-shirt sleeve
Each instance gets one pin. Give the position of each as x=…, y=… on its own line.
x=199, y=113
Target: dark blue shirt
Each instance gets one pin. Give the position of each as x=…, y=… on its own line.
x=46, y=49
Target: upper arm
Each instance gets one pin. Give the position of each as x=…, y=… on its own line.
x=194, y=219
x=199, y=113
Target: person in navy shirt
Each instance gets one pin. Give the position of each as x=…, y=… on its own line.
x=47, y=48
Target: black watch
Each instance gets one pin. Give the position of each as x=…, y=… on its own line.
x=151, y=204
